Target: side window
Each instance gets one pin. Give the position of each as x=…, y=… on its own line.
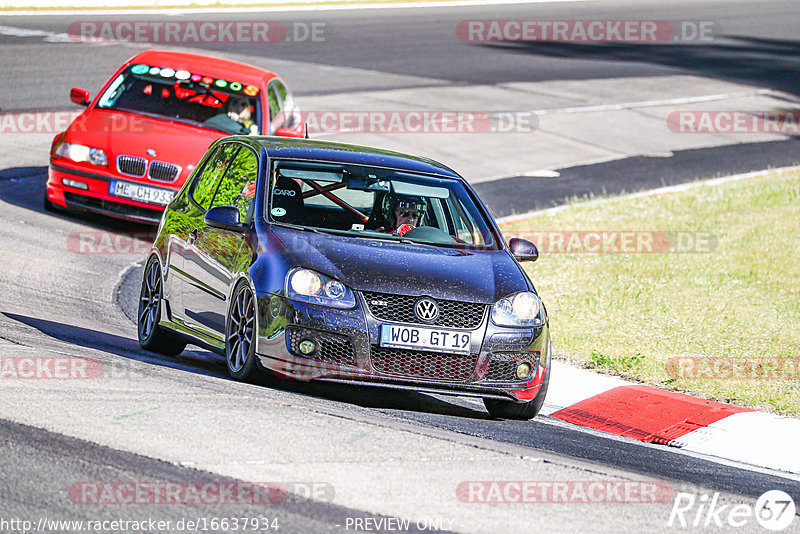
x=238, y=188
x=283, y=110
x=276, y=118
x=207, y=181
x=284, y=96
x=465, y=225
x=435, y=216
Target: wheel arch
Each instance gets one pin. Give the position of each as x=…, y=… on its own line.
x=155, y=253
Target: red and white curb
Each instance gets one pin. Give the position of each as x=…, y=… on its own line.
x=654, y=415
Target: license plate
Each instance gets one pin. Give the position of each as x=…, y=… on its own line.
x=142, y=193
x=413, y=337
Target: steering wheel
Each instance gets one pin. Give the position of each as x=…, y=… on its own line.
x=431, y=234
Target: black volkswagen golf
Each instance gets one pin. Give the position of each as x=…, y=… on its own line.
x=325, y=261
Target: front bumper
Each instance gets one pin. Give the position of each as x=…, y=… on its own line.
x=96, y=199
x=352, y=353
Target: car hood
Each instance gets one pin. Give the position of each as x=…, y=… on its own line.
x=407, y=269
x=121, y=133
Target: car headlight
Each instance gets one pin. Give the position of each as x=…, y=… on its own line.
x=95, y=156
x=309, y=286
x=522, y=309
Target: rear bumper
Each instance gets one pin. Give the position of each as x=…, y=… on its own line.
x=96, y=199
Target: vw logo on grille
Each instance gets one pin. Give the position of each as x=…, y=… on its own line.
x=427, y=310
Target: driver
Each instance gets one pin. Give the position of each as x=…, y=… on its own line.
x=239, y=111
x=403, y=212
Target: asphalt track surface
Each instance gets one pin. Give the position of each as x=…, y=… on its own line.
x=46, y=462
x=750, y=45
x=520, y=194
x=38, y=464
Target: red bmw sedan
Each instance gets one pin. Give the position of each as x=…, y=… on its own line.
x=131, y=150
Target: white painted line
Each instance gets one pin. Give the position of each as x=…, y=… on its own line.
x=542, y=173
x=173, y=11
x=53, y=37
x=530, y=174
x=50, y=37
x=655, y=103
x=650, y=192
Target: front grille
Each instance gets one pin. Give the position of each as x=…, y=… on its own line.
x=503, y=365
x=131, y=165
x=419, y=364
x=163, y=172
x=332, y=348
x=400, y=308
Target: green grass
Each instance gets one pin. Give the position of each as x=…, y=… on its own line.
x=736, y=299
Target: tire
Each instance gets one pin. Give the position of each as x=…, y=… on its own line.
x=240, y=335
x=522, y=411
x=151, y=336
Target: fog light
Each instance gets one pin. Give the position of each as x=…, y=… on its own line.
x=524, y=370
x=74, y=183
x=307, y=347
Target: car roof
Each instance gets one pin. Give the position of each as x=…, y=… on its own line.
x=205, y=65
x=315, y=150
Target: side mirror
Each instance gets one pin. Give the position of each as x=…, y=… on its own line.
x=79, y=96
x=225, y=218
x=523, y=250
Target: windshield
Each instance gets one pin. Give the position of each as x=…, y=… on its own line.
x=182, y=96
x=378, y=203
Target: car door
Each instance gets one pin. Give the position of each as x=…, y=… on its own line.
x=220, y=254
x=184, y=221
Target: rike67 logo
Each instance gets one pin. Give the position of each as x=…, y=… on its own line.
x=774, y=511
